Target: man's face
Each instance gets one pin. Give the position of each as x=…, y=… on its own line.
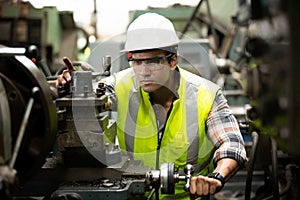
x=151, y=69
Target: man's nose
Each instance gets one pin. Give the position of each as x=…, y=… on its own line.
x=144, y=70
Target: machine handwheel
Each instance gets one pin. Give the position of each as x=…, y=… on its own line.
x=18, y=76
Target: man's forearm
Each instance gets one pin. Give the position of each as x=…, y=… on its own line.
x=227, y=167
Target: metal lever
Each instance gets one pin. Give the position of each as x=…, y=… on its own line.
x=28, y=110
x=106, y=62
x=188, y=170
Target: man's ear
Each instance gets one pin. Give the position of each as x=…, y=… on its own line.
x=174, y=61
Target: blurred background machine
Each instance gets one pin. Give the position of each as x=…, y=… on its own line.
x=53, y=32
x=249, y=48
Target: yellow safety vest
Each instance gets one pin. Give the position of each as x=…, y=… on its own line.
x=184, y=139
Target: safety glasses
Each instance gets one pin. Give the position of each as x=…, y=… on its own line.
x=152, y=64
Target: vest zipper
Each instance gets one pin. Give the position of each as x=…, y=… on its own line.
x=161, y=134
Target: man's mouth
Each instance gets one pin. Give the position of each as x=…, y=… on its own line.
x=145, y=82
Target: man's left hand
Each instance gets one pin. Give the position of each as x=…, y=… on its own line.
x=203, y=186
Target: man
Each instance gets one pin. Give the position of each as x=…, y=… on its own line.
x=166, y=114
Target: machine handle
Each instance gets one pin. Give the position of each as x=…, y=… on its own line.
x=188, y=170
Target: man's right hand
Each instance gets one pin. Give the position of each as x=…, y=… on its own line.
x=65, y=77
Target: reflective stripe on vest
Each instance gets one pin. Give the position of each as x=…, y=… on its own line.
x=184, y=140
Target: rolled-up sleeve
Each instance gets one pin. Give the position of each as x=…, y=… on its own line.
x=223, y=130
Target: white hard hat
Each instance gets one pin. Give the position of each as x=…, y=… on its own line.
x=150, y=31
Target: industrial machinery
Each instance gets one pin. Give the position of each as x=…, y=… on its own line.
x=257, y=64
x=60, y=144
x=52, y=31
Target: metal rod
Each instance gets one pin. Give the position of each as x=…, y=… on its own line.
x=23, y=128
x=151, y=194
x=274, y=169
x=212, y=24
x=191, y=19
x=95, y=19
x=255, y=139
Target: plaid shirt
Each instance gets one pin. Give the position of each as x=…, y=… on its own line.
x=224, y=132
